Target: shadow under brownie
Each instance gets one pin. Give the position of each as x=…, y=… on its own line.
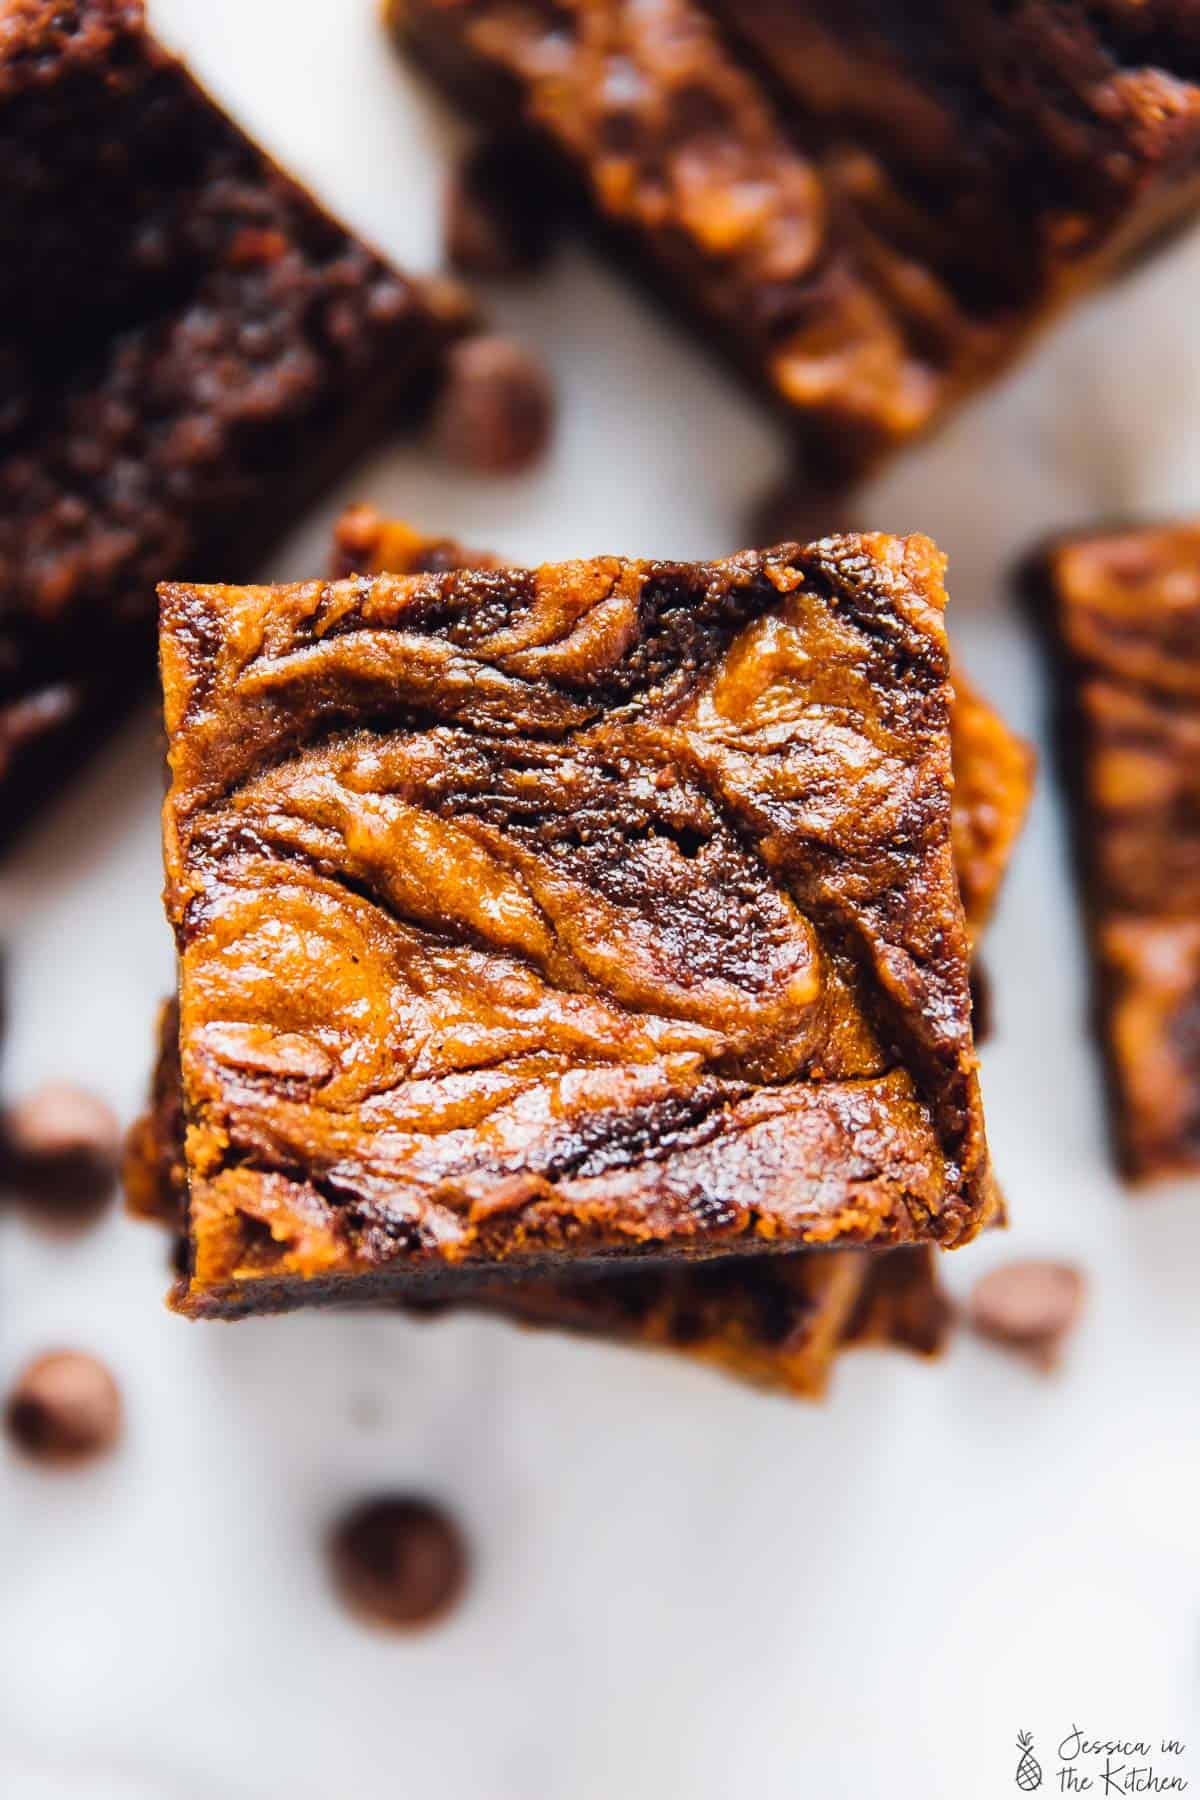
x=189, y=349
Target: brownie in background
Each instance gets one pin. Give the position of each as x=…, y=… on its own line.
x=189, y=349
x=869, y=207
x=1124, y=608
x=777, y=1322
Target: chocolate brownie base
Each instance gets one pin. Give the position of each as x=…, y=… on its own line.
x=189, y=348
x=900, y=1303
x=1124, y=606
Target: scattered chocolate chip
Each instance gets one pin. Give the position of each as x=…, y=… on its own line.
x=398, y=1562
x=496, y=407
x=1031, y=1306
x=796, y=511
x=501, y=216
x=65, y=1409
x=982, y=1012
x=62, y=1150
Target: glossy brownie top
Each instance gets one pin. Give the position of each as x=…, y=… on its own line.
x=993, y=767
x=538, y=915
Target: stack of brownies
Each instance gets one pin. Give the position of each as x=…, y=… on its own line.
x=583, y=943
x=590, y=944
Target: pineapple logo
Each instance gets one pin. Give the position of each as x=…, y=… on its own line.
x=1029, y=1770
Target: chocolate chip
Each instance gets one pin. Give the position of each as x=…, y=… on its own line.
x=496, y=407
x=1030, y=1306
x=65, y=1409
x=398, y=1562
x=796, y=511
x=501, y=215
x=62, y=1150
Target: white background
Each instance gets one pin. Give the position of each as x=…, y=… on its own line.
x=681, y=1587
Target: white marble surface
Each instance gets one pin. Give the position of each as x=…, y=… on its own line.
x=682, y=1588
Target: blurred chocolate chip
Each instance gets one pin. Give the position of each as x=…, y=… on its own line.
x=501, y=214
x=65, y=1409
x=796, y=511
x=496, y=407
x=24, y=721
x=982, y=1012
x=62, y=1150
x=398, y=1562
x=1030, y=1306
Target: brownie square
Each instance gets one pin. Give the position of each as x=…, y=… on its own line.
x=869, y=207
x=189, y=349
x=533, y=918
x=1022, y=134
x=776, y=1322
x=1125, y=608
